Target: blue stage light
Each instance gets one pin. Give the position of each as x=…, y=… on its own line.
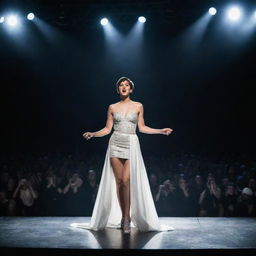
x=12, y=20
x=142, y=19
x=234, y=13
x=104, y=21
x=30, y=16
x=212, y=11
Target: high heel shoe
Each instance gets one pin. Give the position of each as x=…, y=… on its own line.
x=122, y=223
x=126, y=226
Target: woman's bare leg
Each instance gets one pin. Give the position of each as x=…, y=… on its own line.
x=121, y=169
x=126, y=188
x=118, y=166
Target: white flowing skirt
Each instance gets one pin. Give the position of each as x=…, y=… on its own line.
x=107, y=212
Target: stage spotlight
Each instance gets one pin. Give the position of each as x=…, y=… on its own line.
x=104, y=21
x=12, y=20
x=30, y=16
x=142, y=19
x=212, y=11
x=234, y=13
x=2, y=19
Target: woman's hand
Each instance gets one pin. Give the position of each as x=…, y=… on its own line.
x=88, y=135
x=166, y=131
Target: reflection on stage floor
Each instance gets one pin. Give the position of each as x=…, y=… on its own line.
x=189, y=234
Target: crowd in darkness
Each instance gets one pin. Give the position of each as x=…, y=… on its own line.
x=182, y=184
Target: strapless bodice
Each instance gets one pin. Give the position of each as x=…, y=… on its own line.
x=125, y=124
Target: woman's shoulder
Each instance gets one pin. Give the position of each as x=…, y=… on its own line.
x=138, y=104
x=112, y=106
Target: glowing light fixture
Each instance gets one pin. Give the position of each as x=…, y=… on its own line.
x=104, y=21
x=31, y=16
x=234, y=13
x=12, y=20
x=212, y=11
x=142, y=19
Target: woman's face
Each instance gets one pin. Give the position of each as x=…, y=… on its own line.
x=213, y=184
x=124, y=88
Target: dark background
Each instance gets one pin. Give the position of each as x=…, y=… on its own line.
x=58, y=79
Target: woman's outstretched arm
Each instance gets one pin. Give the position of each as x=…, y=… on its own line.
x=145, y=129
x=106, y=130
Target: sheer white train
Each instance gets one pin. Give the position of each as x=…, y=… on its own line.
x=107, y=212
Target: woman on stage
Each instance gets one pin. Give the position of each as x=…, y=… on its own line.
x=124, y=194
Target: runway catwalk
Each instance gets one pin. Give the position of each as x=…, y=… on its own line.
x=192, y=236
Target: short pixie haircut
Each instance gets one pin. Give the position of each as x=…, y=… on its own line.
x=123, y=78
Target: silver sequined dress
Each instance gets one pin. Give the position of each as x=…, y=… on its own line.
x=124, y=126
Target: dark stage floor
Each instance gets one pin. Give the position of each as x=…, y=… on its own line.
x=192, y=236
